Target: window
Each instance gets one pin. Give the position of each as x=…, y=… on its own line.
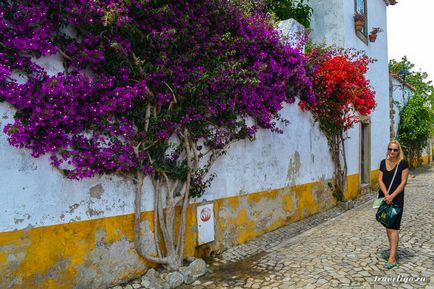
x=360, y=7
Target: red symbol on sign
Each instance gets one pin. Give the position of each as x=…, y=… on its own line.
x=205, y=214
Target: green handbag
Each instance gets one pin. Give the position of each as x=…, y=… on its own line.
x=388, y=214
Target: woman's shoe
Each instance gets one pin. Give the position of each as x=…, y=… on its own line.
x=389, y=265
x=385, y=255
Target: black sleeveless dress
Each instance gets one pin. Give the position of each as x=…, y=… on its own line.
x=387, y=178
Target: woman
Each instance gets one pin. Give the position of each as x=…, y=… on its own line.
x=394, y=160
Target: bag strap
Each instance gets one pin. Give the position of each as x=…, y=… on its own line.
x=396, y=169
x=394, y=174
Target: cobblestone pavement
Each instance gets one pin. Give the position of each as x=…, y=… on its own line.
x=344, y=251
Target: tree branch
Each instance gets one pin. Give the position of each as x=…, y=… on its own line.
x=177, y=200
x=156, y=227
x=195, y=154
x=64, y=55
x=173, y=93
x=137, y=220
x=147, y=116
x=161, y=215
x=170, y=215
x=136, y=62
x=181, y=236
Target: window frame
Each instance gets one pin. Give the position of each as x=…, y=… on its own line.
x=362, y=35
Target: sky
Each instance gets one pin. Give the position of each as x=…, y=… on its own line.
x=409, y=24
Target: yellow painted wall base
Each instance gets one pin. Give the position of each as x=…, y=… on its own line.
x=100, y=253
x=374, y=179
x=426, y=160
x=422, y=161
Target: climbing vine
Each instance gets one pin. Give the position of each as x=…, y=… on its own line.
x=343, y=94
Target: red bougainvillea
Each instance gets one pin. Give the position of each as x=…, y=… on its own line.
x=342, y=91
x=342, y=95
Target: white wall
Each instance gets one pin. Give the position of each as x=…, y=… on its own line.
x=327, y=21
x=35, y=194
x=299, y=155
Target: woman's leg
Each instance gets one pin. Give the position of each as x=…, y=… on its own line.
x=389, y=238
x=393, y=236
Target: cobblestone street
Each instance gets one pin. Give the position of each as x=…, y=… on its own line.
x=336, y=249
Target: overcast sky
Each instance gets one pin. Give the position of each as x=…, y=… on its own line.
x=409, y=25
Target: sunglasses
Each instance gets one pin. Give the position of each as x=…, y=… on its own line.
x=392, y=150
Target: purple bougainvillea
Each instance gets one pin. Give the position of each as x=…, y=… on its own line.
x=150, y=88
x=200, y=65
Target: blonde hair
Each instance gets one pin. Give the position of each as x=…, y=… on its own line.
x=401, y=153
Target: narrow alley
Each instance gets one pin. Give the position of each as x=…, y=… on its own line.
x=337, y=249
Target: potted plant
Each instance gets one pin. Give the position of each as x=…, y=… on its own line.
x=373, y=33
x=359, y=20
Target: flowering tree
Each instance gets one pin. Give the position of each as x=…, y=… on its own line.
x=342, y=95
x=153, y=89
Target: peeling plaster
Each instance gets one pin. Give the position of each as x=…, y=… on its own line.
x=261, y=214
x=108, y=264
x=147, y=240
x=269, y=211
x=96, y=191
x=55, y=272
x=293, y=198
x=322, y=194
x=293, y=169
x=93, y=212
x=18, y=221
x=15, y=258
x=229, y=238
x=73, y=207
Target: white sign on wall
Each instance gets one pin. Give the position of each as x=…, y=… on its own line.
x=205, y=223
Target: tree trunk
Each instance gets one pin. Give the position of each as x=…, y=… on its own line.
x=137, y=221
x=168, y=194
x=337, y=151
